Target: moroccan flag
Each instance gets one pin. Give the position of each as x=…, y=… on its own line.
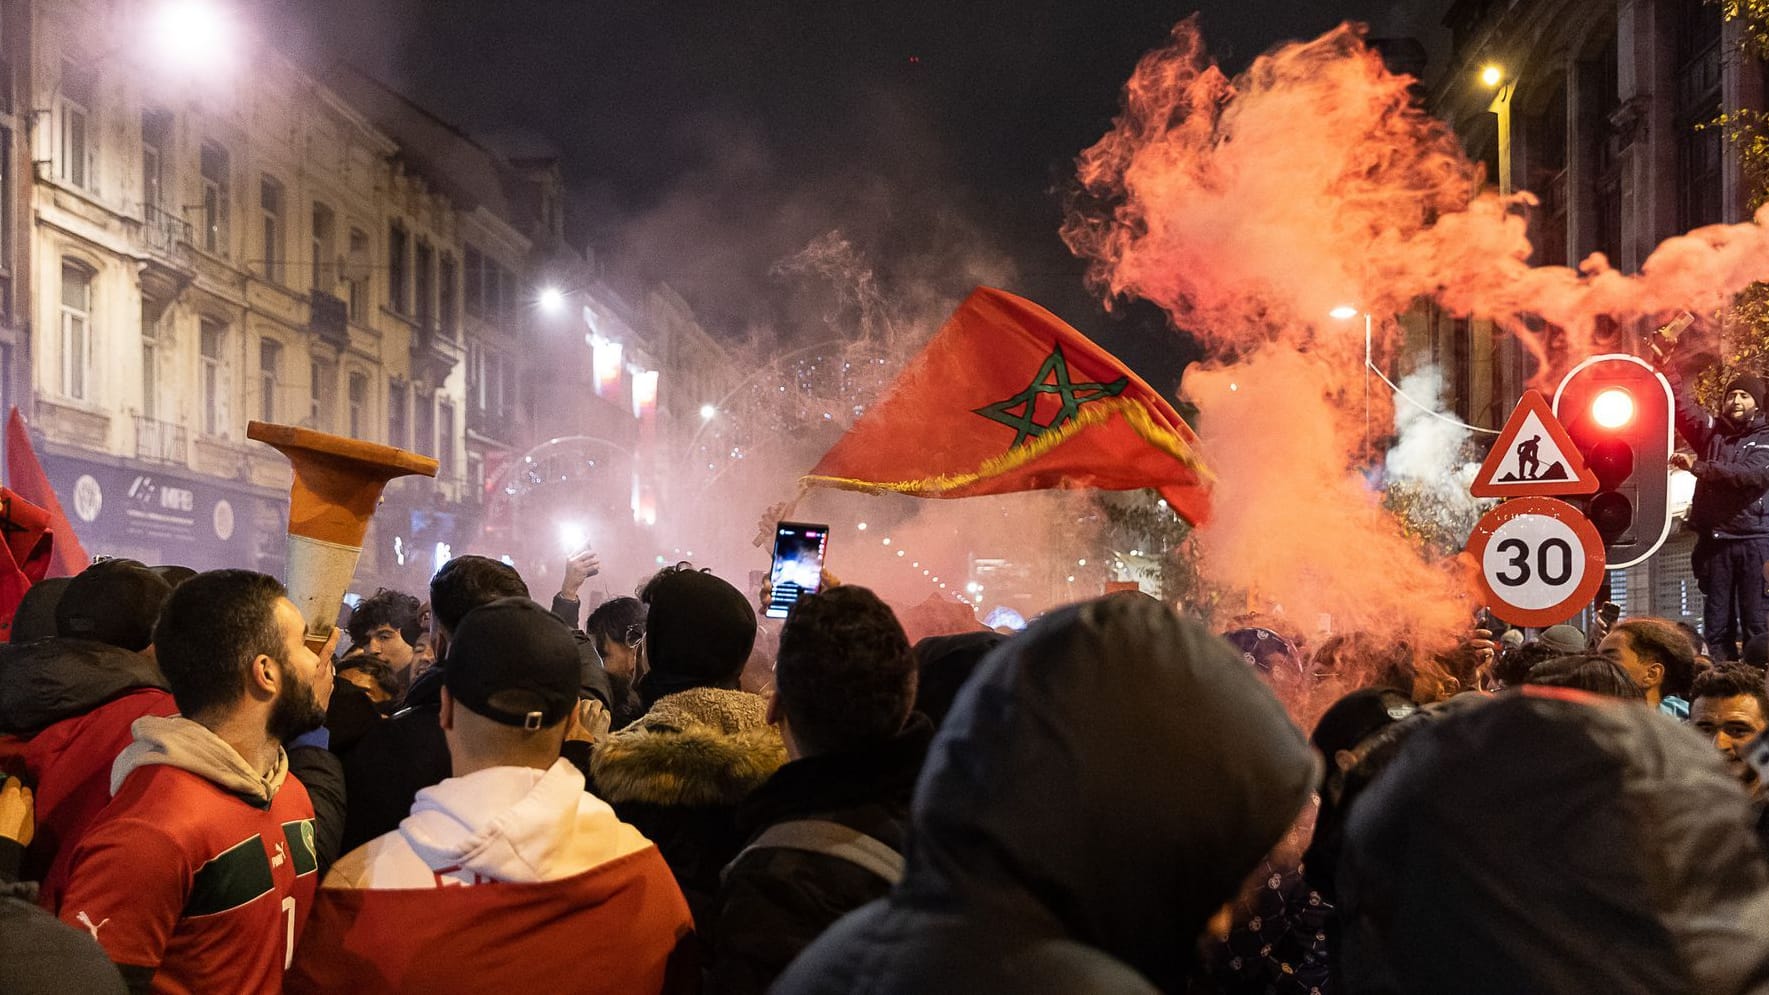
x=1007, y=397
x=26, y=477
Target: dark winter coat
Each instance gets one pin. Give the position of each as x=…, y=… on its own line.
x=1553, y=842
x=1103, y=784
x=1732, y=472
x=69, y=705
x=679, y=773
x=775, y=901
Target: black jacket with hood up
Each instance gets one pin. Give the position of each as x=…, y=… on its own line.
x=1550, y=842
x=1102, y=786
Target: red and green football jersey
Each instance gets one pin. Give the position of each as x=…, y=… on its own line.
x=199, y=885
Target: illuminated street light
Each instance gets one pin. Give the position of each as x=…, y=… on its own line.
x=708, y=412
x=1344, y=312
x=861, y=526
x=552, y=300
x=188, y=33
x=1492, y=75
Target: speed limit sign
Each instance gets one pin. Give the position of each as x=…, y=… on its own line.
x=1540, y=560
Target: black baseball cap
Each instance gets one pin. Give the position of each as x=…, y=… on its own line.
x=1358, y=716
x=514, y=662
x=114, y=602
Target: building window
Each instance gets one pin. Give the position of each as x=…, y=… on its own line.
x=270, y=206
x=152, y=313
x=445, y=439
x=324, y=278
x=426, y=304
x=423, y=423
x=76, y=327
x=213, y=346
x=359, y=403
x=215, y=194
x=270, y=357
x=77, y=138
x=1701, y=151
x=475, y=298
x=322, y=380
x=445, y=288
x=359, y=280
x=396, y=413
x=396, y=263
x=156, y=139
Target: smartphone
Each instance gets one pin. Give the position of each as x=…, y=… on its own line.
x=798, y=564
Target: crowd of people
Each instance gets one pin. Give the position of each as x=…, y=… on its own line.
x=480, y=792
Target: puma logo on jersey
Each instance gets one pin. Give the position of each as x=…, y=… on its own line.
x=278, y=858
x=86, y=921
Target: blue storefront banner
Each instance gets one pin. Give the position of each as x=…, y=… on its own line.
x=167, y=515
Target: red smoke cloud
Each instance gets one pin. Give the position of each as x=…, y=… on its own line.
x=1250, y=207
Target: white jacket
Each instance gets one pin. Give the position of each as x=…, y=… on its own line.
x=514, y=824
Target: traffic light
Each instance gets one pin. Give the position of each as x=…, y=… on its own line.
x=1617, y=409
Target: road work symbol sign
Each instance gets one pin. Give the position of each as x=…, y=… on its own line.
x=1534, y=457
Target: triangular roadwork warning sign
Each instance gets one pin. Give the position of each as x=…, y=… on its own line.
x=1533, y=457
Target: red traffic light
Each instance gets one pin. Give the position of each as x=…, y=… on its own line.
x=1613, y=407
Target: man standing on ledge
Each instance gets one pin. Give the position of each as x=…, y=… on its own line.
x=1730, y=513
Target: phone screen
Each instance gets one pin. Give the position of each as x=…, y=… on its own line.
x=798, y=564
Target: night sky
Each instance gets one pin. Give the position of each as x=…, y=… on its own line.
x=704, y=142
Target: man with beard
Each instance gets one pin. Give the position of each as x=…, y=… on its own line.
x=200, y=873
x=1730, y=513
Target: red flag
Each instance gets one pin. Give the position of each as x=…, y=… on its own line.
x=24, y=553
x=1007, y=397
x=26, y=477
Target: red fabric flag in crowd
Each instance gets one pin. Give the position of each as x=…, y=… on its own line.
x=1007, y=397
x=26, y=478
x=24, y=555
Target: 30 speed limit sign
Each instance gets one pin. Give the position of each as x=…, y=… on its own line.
x=1540, y=560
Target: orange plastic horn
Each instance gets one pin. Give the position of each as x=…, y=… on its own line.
x=338, y=483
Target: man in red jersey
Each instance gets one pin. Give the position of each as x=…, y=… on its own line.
x=508, y=876
x=200, y=873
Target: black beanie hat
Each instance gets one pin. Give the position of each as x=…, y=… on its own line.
x=1750, y=383
x=698, y=633
x=114, y=602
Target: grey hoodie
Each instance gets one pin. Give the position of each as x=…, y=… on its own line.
x=188, y=745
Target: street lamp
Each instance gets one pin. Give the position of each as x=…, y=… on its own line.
x=190, y=32
x=1504, y=85
x=552, y=300
x=708, y=412
x=1345, y=312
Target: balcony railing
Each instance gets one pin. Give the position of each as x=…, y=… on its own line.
x=161, y=442
x=166, y=233
x=329, y=318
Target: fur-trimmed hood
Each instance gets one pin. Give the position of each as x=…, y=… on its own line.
x=705, y=746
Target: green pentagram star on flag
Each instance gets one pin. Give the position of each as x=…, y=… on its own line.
x=1052, y=378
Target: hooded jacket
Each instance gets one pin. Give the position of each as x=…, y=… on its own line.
x=775, y=900
x=1732, y=473
x=1550, y=841
x=71, y=703
x=679, y=773
x=200, y=873
x=1103, y=784
x=561, y=896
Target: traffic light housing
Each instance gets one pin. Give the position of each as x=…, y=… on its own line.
x=1618, y=409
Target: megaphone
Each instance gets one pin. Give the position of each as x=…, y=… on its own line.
x=338, y=483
